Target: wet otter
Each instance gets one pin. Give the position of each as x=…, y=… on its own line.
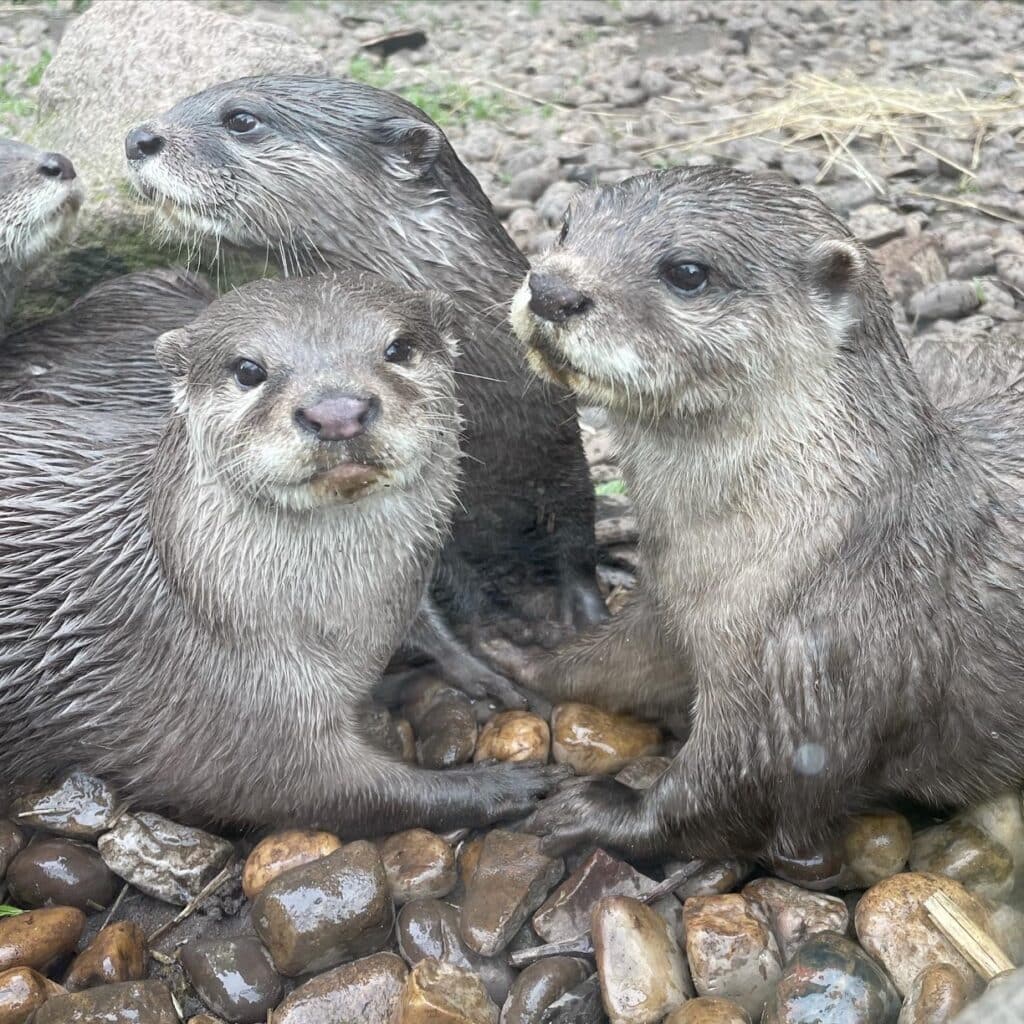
x=199, y=609
x=326, y=172
x=834, y=568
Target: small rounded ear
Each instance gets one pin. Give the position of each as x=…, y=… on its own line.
x=412, y=146
x=833, y=269
x=172, y=352
x=445, y=317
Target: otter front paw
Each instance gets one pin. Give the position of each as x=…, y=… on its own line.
x=513, y=789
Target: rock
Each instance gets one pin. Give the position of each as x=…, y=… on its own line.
x=874, y=224
x=910, y=264
x=936, y=997
x=429, y=930
x=418, y=865
x=132, y=1002
x=554, y=202
x=317, y=915
x=233, y=977
x=281, y=852
x=39, y=937
x=707, y=1010
x=731, y=950
x=438, y=993
x=818, y=869
x=831, y=979
x=1007, y=928
x=22, y=990
x=446, y=735
x=469, y=857
x=582, y=1005
x=597, y=742
x=117, y=953
x=61, y=872
x=644, y=772
x=960, y=850
x=1010, y=268
x=710, y=877
x=541, y=984
x=1001, y=1003
x=167, y=861
x=894, y=928
x=639, y=962
x=1002, y=819
x=875, y=847
x=12, y=840
x=79, y=807
x=948, y=300
x=532, y=183
x=511, y=880
x=796, y=915
x=514, y=736
x=364, y=992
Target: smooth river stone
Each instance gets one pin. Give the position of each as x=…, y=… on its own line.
x=22, y=990
x=39, y=937
x=233, y=977
x=639, y=962
x=12, y=841
x=832, y=979
x=79, y=807
x=710, y=877
x=167, y=861
x=117, y=953
x=336, y=908
x=708, y=1010
x=1001, y=818
x=281, y=852
x=541, y=984
x=514, y=736
x=511, y=880
x=446, y=734
x=875, y=847
x=894, y=927
x=419, y=865
x=597, y=742
x=581, y=1005
x=438, y=993
x=132, y=1002
x=364, y=992
x=796, y=914
x=732, y=950
x=936, y=997
x=63, y=873
x=962, y=851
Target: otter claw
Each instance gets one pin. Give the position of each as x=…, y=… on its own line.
x=585, y=810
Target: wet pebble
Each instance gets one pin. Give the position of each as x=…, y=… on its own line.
x=317, y=915
x=514, y=736
x=12, y=841
x=511, y=880
x=639, y=962
x=597, y=742
x=936, y=997
x=732, y=951
x=1002, y=819
x=418, y=864
x=708, y=1010
x=960, y=850
x=233, y=977
x=167, y=861
x=363, y=992
x=79, y=807
x=23, y=990
x=61, y=872
x=796, y=914
x=710, y=877
x=875, y=847
x=581, y=1005
x=39, y=937
x=117, y=953
x=282, y=851
x=539, y=985
x=132, y=1002
x=831, y=979
x=446, y=736
x=439, y=993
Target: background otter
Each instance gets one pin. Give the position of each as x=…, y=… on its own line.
x=833, y=567
x=199, y=610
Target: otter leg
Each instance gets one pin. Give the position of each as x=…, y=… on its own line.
x=581, y=603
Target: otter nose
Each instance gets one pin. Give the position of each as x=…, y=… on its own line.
x=339, y=418
x=552, y=299
x=56, y=165
x=141, y=142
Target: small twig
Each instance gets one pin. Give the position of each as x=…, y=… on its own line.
x=670, y=884
x=116, y=904
x=966, y=203
x=974, y=944
x=207, y=890
x=581, y=945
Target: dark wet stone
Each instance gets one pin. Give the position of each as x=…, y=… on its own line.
x=12, y=840
x=796, y=914
x=540, y=985
x=711, y=877
x=875, y=847
x=831, y=979
x=439, y=993
x=39, y=937
x=22, y=990
x=936, y=997
x=117, y=953
x=80, y=807
x=818, y=869
x=61, y=873
x=233, y=977
x=364, y=992
x=419, y=865
x=315, y=916
x=133, y=1002
x=960, y=850
x=446, y=736
x=511, y=880
x=582, y=1005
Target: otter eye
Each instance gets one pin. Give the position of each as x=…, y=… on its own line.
x=249, y=374
x=401, y=350
x=686, y=277
x=239, y=122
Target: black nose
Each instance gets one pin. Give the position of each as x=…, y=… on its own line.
x=141, y=142
x=339, y=418
x=56, y=165
x=552, y=299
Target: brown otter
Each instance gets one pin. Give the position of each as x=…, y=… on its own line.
x=834, y=567
x=320, y=172
x=199, y=609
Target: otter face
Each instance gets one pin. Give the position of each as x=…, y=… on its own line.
x=39, y=196
x=314, y=391
x=681, y=292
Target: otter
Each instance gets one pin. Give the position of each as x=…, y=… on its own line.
x=833, y=566
x=198, y=606
x=322, y=172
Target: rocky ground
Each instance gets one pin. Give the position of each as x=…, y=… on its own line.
x=907, y=119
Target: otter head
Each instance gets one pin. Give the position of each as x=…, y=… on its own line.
x=691, y=291
x=315, y=391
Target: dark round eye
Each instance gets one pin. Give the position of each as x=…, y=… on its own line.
x=687, y=277
x=564, y=232
x=249, y=374
x=239, y=122
x=401, y=350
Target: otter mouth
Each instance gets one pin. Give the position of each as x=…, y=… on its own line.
x=347, y=480
x=548, y=362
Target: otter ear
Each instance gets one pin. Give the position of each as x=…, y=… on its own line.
x=445, y=318
x=412, y=146
x=172, y=352
x=834, y=269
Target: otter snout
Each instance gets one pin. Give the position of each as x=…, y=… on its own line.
x=141, y=142
x=56, y=165
x=555, y=300
x=339, y=418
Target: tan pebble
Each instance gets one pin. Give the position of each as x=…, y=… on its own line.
x=708, y=1010
x=117, y=953
x=514, y=736
x=419, y=865
x=796, y=914
x=22, y=990
x=37, y=938
x=407, y=738
x=438, y=993
x=469, y=857
x=936, y=997
x=875, y=847
x=597, y=742
x=282, y=851
x=961, y=850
